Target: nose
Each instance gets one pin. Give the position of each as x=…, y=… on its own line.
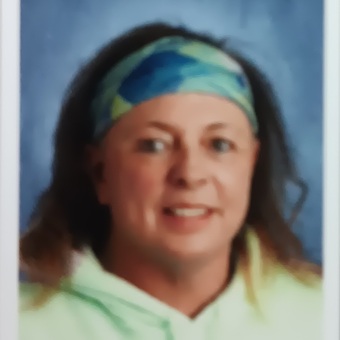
x=188, y=170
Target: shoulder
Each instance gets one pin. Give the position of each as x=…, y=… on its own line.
x=36, y=297
x=289, y=288
x=294, y=305
x=47, y=314
x=36, y=303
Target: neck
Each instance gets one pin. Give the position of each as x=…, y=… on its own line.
x=187, y=288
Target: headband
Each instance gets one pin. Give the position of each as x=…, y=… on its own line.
x=167, y=66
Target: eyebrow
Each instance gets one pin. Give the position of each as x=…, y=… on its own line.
x=216, y=126
x=170, y=128
x=163, y=126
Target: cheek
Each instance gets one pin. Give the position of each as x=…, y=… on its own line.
x=135, y=183
x=233, y=187
x=141, y=181
x=234, y=184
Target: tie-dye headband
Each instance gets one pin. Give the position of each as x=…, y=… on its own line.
x=166, y=66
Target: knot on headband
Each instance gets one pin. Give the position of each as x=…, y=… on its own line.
x=167, y=66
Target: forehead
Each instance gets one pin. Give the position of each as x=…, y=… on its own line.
x=188, y=111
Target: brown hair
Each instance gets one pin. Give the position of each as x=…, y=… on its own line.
x=68, y=215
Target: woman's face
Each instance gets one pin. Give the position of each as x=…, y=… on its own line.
x=177, y=174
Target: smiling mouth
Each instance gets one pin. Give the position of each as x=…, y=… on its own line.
x=187, y=212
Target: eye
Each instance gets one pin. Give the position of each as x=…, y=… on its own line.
x=221, y=145
x=151, y=145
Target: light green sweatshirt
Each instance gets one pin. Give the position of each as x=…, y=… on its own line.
x=100, y=306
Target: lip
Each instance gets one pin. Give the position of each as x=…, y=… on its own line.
x=187, y=224
x=183, y=205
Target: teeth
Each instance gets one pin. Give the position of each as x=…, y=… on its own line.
x=188, y=212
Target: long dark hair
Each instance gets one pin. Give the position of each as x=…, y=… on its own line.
x=68, y=215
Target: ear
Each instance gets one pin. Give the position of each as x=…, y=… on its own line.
x=256, y=151
x=95, y=164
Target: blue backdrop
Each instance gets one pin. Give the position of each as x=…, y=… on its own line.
x=284, y=37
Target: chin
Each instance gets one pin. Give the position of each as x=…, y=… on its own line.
x=190, y=254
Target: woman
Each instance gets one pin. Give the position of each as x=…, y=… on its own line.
x=164, y=216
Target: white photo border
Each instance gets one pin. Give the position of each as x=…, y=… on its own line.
x=10, y=167
x=331, y=169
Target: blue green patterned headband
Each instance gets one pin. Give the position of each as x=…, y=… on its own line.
x=166, y=66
